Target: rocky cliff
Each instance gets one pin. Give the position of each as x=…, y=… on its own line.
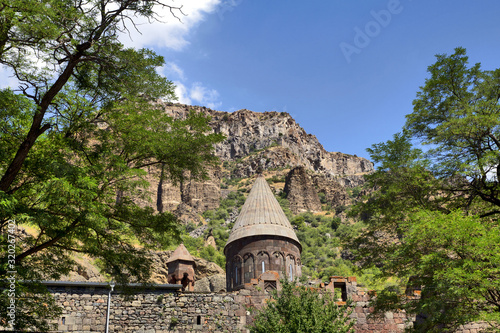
x=261, y=141
x=300, y=191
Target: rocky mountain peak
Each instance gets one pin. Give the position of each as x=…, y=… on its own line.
x=248, y=132
x=260, y=141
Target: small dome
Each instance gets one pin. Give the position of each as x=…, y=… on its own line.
x=261, y=215
x=180, y=253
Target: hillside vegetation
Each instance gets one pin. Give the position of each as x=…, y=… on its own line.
x=321, y=234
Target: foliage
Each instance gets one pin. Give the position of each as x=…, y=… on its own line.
x=320, y=237
x=78, y=137
x=434, y=218
x=31, y=297
x=276, y=179
x=219, y=229
x=456, y=258
x=354, y=192
x=300, y=309
x=322, y=197
x=231, y=181
x=211, y=254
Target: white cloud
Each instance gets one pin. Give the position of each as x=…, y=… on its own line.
x=204, y=95
x=182, y=93
x=170, y=32
x=174, y=34
x=197, y=94
x=173, y=72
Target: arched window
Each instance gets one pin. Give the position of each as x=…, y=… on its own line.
x=236, y=277
x=291, y=272
x=248, y=268
x=263, y=258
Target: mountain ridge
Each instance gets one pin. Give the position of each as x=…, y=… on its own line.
x=257, y=141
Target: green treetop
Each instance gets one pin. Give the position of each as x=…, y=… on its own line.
x=76, y=141
x=301, y=309
x=433, y=219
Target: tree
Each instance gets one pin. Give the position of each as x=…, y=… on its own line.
x=77, y=139
x=433, y=219
x=301, y=309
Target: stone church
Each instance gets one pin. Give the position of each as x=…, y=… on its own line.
x=262, y=247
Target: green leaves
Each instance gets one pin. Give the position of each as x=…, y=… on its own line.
x=300, y=309
x=432, y=219
x=455, y=258
x=80, y=135
x=457, y=113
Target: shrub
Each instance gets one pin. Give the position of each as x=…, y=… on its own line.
x=300, y=309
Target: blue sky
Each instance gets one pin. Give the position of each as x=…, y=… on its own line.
x=308, y=58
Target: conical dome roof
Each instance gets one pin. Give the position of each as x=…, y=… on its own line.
x=261, y=215
x=180, y=253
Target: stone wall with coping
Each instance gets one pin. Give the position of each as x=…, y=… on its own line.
x=170, y=310
x=148, y=311
x=167, y=309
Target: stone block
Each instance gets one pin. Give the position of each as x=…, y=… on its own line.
x=245, y=292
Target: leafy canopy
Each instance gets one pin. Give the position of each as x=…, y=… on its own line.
x=433, y=219
x=80, y=138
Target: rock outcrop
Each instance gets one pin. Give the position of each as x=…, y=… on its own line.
x=202, y=195
x=265, y=141
x=203, y=268
x=213, y=283
x=258, y=141
x=300, y=191
x=334, y=193
x=249, y=131
x=275, y=157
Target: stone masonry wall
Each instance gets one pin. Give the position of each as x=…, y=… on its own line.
x=148, y=311
x=392, y=322
x=169, y=310
x=161, y=311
